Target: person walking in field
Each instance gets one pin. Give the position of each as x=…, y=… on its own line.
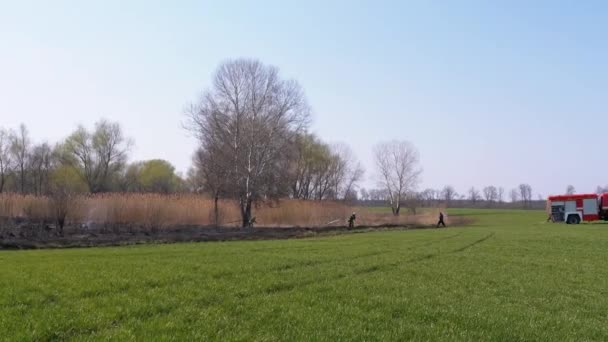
x=440, y=220
x=351, y=221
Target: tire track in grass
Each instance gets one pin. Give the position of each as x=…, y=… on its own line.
x=418, y=258
x=476, y=242
x=311, y=263
x=370, y=269
x=290, y=286
x=385, y=267
x=432, y=242
x=458, y=250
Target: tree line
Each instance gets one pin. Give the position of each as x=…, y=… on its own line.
x=488, y=196
x=88, y=160
x=95, y=161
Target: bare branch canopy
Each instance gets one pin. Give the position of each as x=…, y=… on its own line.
x=397, y=165
x=244, y=124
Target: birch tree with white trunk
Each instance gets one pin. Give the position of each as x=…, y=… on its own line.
x=397, y=163
x=246, y=121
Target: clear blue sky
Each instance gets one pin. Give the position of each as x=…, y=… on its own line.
x=491, y=92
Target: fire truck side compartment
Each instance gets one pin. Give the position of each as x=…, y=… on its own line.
x=570, y=206
x=557, y=211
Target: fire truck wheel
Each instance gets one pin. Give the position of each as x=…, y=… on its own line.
x=573, y=219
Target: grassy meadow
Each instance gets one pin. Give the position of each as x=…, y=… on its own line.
x=507, y=277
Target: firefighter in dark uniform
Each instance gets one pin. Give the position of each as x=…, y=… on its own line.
x=351, y=221
x=440, y=220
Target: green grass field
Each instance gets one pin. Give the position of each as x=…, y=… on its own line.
x=508, y=277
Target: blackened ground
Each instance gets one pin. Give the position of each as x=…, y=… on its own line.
x=28, y=235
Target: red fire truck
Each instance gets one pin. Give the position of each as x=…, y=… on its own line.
x=574, y=209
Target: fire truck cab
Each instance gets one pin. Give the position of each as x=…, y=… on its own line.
x=574, y=209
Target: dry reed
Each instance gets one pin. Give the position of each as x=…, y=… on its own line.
x=155, y=210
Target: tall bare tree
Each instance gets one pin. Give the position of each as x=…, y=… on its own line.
x=514, y=195
x=40, y=165
x=397, y=163
x=97, y=155
x=5, y=157
x=570, y=190
x=310, y=160
x=525, y=191
x=490, y=193
x=429, y=197
x=448, y=194
x=349, y=173
x=211, y=178
x=354, y=176
x=500, y=196
x=246, y=121
x=20, y=145
x=364, y=194
x=474, y=195
x=320, y=171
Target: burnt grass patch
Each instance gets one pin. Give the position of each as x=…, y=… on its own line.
x=36, y=235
